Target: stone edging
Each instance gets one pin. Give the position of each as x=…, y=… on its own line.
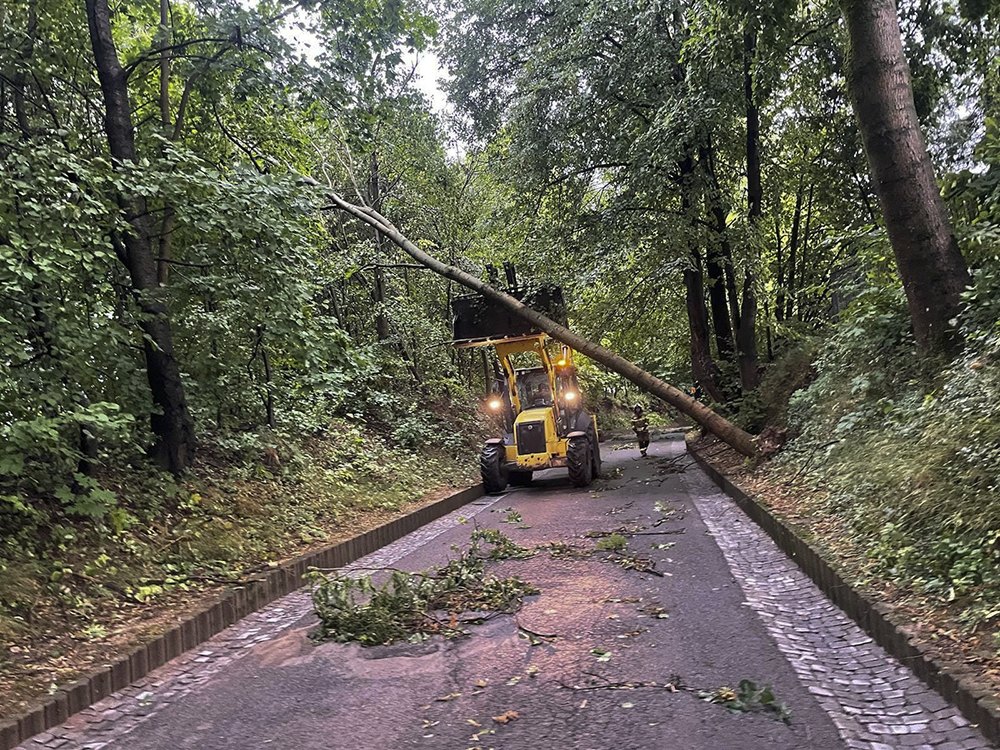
x=198, y=627
x=976, y=700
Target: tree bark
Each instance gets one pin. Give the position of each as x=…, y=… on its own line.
x=378, y=297
x=746, y=335
x=719, y=305
x=793, y=247
x=719, y=212
x=716, y=424
x=931, y=267
x=718, y=255
x=779, y=297
x=171, y=420
x=378, y=291
x=804, y=253
x=25, y=52
x=703, y=367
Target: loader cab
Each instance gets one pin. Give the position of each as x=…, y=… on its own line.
x=534, y=390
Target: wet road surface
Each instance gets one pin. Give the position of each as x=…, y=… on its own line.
x=727, y=608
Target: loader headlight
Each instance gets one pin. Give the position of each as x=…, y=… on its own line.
x=495, y=404
x=571, y=396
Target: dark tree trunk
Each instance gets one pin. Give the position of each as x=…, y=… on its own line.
x=931, y=267
x=767, y=334
x=171, y=420
x=378, y=297
x=25, y=53
x=746, y=335
x=793, y=247
x=804, y=253
x=378, y=290
x=703, y=367
x=722, y=292
x=265, y=359
x=719, y=305
x=779, y=297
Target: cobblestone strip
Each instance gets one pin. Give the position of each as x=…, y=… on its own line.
x=875, y=702
x=118, y=714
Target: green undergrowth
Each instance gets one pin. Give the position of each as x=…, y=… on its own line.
x=416, y=606
x=909, y=448
x=249, y=500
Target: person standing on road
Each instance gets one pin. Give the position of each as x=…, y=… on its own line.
x=640, y=425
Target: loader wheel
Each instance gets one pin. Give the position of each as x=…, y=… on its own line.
x=520, y=478
x=595, y=449
x=580, y=462
x=493, y=469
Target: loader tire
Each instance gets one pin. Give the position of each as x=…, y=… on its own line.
x=580, y=461
x=595, y=448
x=493, y=469
x=520, y=478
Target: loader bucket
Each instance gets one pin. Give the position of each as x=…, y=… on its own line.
x=478, y=318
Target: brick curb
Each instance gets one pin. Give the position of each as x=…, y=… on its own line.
x=198, y=627
x=956, y=684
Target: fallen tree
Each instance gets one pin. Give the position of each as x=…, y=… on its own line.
x=714, y=423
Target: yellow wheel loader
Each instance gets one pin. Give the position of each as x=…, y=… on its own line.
x=538, y=396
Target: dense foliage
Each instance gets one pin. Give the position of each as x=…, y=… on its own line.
x=311, y=363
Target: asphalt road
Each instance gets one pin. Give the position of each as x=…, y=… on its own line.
x=728, y=607
x=689, y=627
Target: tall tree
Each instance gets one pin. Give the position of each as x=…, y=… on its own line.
x=932, y=268
x=171, y=421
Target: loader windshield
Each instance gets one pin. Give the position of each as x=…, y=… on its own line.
x=533, y=388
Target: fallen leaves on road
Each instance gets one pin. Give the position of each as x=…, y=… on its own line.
x=632, y=633
x=601, y=654
x=505, y=717
x=449, y=697
x=659, y=613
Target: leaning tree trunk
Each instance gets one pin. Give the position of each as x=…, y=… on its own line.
x=931, y=267
x=171, y=420
x=719, y=426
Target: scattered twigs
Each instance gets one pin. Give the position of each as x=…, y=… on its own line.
x=535, y=634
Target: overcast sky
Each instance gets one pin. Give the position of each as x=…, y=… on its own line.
x=428, y=74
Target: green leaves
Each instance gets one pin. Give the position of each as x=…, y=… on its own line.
x=747, y=698
x=404, y=607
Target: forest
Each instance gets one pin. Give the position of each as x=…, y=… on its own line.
x=205, y=365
